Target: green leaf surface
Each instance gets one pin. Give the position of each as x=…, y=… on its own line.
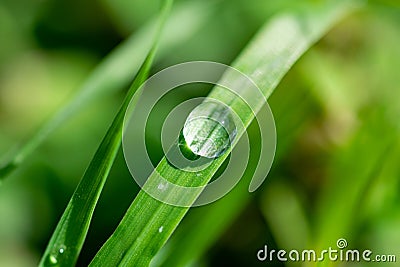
x=68, y=238
x=115, y=73
x=148, y=223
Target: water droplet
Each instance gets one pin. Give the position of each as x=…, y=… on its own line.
x=162, y=186
x=53, y=260
x=62, y=249
x=160, y=229
x=209, y=129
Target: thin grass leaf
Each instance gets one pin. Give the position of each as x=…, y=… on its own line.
x=366, y=156
x=68, y=238
x=281, y=206
x=148, y=223
x=359, y=161
x=115, y=73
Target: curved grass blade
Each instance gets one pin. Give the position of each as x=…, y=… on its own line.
x=187, y=246
x=114, y=73
x=148, y=223
x=69, y=236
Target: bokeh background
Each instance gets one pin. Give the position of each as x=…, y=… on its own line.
x=336, y=172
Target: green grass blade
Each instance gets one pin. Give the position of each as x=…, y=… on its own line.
x=115, y=73
x=335, y=214
x=68, y=238
x=187, y=246
x=148, y=223
x=365, y=162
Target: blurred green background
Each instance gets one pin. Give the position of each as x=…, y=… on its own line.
x=336, y=172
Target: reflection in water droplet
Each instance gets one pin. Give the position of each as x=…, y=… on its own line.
x=185, y=149
x=209, y=129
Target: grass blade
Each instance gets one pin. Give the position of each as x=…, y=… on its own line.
x=370, y=162
x=114, y=73
x=187, y=246
x=148, y=223
x=68, y=238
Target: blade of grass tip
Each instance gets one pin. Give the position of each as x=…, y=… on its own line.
x=115, y=72
x=148, y=223
x=68, y=238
